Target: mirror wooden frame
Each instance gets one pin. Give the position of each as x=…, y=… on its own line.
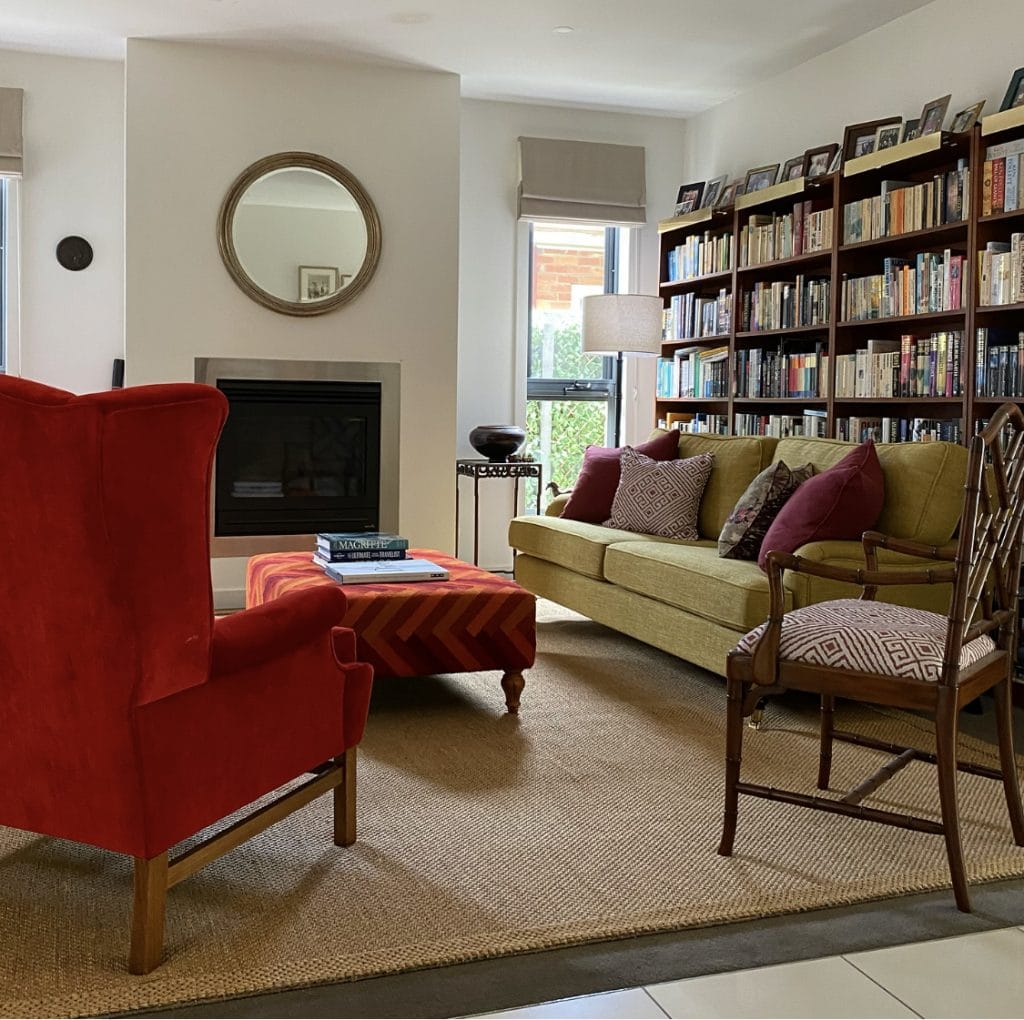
x=311, y=161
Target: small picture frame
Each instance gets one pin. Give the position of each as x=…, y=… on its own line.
x=727, y=198
x=317, y=282
x=688, y=197
x=911, y=129
x=966, y=119
x=933, y=115
x=837, y=161
x=712, y=192
x=760, y=177
x=888, y=136
x=792, y=169
x=1014, y=92
x=859, y=139
x=819, y=162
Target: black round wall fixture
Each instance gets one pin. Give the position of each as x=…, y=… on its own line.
x=74, y=253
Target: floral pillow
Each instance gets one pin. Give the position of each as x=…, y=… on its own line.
x=660, y=497
x=763, y=498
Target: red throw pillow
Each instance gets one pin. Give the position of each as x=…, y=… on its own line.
x=592, y=495
x=840, y=503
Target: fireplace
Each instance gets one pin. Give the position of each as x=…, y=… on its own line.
x=298, y=457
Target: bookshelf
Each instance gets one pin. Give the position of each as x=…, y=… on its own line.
x=896, y=291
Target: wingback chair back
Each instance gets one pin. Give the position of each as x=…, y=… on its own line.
x=105, y=594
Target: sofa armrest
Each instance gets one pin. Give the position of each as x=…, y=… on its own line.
x=557, y=505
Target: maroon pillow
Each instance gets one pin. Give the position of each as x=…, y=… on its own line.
x=592, y=495
x=840, y=503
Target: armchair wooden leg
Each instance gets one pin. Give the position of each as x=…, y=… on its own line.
x=148, y=914
x=733, y=755
x=945, y=737
x=828, y=704
x=1007, y=760
x=345, y=801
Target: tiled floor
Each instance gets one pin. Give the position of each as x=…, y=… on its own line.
x=980, y=975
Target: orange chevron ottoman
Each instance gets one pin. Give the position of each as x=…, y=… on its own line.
x=473, y=621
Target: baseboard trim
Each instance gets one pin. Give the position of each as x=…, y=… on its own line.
x=226, y=600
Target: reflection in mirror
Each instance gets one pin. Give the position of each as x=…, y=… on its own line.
x=299, y=234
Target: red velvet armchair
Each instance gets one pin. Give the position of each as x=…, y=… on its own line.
x=132, y=719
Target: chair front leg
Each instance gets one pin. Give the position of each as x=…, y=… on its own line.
x=946, y=720
x=828, y=704
x=345, y=801
x=148, y=914
x=1007, y=760
x=736, y=695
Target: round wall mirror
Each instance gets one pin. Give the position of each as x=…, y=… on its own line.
x=299, y=234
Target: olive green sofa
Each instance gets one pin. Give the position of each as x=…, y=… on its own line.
x=683, y=598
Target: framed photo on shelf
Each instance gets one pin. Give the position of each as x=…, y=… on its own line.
x=1014, y=92
x=966, y=119
x=818, y=162
x=792, y=168
x=760, y=177
x=317, y=282
x=728, y=195
x=859, y=139
x=888, y=136
x=933, y=114
x=712, y=192
x=911, y=129
x=688, y=197
x=837, y=161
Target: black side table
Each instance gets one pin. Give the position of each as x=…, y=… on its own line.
x=477, y=469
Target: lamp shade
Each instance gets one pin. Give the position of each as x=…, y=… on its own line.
x=630, y=323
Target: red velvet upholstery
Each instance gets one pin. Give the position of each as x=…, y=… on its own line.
x=130, y=720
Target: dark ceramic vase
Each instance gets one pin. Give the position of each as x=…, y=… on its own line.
x=497, y=442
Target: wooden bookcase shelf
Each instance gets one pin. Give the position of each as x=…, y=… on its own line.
x=919, y=161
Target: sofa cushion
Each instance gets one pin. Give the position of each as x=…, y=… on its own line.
x=595, y=487
x=737, y=460
x=924, y=483
x=755, y=510
x=841, y=502
x=577, y=545
x=660, y=498
x=692, y=576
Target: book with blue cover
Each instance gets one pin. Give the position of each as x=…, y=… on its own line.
x=337, y=541
x=382, y=571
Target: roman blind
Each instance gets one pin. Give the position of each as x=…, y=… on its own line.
x=11, y=149
x=592, y=182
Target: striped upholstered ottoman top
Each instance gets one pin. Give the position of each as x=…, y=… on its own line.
x=473, y=621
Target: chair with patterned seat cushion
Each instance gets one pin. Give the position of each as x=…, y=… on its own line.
x=900, y=657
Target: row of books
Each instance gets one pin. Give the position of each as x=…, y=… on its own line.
x=699, y=255
x=999, y=364
x=808, y=423
x=778, y=373
x=784, y=305
x=1001, y=272
x=1002, y=183
x=899, y=430
x=694, y=372
x=931, y=283
x=371, y=557
x=909, y=367
x=713, y=424
x=690, y=316
x=767, y=238
x=904, y=206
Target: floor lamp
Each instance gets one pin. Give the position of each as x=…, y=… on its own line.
x=622, y=324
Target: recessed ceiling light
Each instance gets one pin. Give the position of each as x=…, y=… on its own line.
x=563, y=29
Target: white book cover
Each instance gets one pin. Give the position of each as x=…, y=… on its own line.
x=381, y=571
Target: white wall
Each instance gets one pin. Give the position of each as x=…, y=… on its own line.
x=196, y=116
x=967, y=49
x=72, y=323
x=491, y=341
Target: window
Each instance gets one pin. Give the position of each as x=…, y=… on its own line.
x=570, y=396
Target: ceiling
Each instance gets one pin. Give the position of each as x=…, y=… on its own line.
x=670, y=57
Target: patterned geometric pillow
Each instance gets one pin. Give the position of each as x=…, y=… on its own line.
x=660, y=497
x=755, y=510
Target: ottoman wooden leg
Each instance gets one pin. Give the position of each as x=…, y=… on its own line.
x=512, y=683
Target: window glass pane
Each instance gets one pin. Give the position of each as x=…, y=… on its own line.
x=568, y=264
x=558, y=432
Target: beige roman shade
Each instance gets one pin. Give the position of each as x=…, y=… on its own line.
x=584, y=181
x=11, y=150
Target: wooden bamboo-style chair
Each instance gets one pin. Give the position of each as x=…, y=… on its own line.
x=904, y=658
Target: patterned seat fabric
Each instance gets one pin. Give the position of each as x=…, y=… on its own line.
x=871, y=637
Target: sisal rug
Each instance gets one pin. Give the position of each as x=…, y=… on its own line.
x=595, y=815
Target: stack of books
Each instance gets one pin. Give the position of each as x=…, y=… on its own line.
x=371, y=557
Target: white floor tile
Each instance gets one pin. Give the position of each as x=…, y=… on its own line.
x=980, y=975
x=812, y=988
x=632, y=1004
